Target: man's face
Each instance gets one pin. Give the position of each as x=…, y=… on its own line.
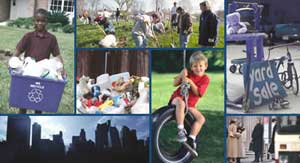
x=155, y=20
x=202, y=8
x=40, y=22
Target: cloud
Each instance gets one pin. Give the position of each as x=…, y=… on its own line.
x=3, y=126
x=50, y=125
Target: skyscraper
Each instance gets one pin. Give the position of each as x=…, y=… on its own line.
x=101, y=135
x=82, y=136
x=129, y=138
x=115, y=138
x=18, y=132
x=36, y=135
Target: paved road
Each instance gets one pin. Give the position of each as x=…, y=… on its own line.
x=235, y=81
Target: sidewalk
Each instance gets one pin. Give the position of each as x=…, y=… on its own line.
x=250, y=157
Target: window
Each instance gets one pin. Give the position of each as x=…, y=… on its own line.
x=61, y=5
x=289, y=124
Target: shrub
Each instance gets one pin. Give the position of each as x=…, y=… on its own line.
x=11, y=23
x=21, y=22
x=58, y=17
x=68, y=29
x=54, y=26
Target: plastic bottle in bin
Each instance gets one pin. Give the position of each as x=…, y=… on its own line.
x=15, y=65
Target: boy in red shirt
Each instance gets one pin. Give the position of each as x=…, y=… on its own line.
x=39, y=44
x=198, y=81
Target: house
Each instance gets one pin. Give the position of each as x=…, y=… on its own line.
x=13, y=9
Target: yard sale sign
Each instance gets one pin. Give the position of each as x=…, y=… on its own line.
x=264, y=84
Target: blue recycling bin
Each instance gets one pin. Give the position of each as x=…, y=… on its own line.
x=35, y=93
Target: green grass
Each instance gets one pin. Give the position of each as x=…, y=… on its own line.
x=88, y=36
x=211, y=138
x=9, y=39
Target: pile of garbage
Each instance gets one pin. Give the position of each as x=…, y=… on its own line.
x=46, y=68
x=115, y=94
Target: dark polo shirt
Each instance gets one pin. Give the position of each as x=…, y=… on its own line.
x=38, y=46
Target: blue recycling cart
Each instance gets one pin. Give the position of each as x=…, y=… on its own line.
x=254, y=52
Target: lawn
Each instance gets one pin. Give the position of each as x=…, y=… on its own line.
x=89, y=35
x=9, y=39
x=211, y=138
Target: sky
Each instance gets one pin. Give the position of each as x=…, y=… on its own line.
x=71, y=125
x=149, y=5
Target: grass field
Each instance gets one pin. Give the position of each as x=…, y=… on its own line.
x=89, y=35
x=211, y=138
x=9, y=39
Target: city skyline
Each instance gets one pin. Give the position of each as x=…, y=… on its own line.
x=53, y=125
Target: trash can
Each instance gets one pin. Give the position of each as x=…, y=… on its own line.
x=35, y=93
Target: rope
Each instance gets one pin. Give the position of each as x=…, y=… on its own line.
x=184, y=58
x=185, y=86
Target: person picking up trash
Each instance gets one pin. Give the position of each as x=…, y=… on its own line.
x=141, y=30
x=107, y=25
x=198, y=81
x=39, y=44
x=158, y=25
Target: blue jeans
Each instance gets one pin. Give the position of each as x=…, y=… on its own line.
x=140, y=41
x=184, y=39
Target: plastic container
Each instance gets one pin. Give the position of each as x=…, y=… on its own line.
x=103, y=81
x=35, y=93
x=116, y=77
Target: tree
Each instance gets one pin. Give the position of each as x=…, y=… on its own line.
x=124, y=3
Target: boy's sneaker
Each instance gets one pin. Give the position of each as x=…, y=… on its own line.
x=181, y=135
x=191, y=145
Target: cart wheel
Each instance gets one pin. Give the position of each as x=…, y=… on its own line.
x=232, y=68
x=241, y=69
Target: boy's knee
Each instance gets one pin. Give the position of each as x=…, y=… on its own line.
x=201, y=120
x=178, y=102
x=180, y=105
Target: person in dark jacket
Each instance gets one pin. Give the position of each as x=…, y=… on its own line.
x=184, y=27
x=257, y=139
x=271, y=148
x=208, y=26
x=118, y=13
